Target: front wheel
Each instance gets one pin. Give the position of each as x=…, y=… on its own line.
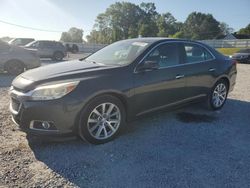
x=102, y=119
x=218, y=95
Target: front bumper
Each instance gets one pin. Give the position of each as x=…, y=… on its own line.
x=61, y=113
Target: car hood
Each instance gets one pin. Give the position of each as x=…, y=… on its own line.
x=59, y=71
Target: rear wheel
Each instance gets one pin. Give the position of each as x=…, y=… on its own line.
x=74, y=49
x=102, y=119
x=58, y=56
x=218, y=95
x=14, y=67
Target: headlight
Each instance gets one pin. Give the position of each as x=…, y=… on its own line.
x=53, y=91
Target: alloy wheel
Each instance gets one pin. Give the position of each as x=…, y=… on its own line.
x=219, y=95
x=104, y=121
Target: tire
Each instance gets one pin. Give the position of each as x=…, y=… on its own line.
x=14, y=67
x=58, y=56
x=97, y=127
x=218, y=95
x=75, y=49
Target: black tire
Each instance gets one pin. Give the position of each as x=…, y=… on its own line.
x=75, y=49
x=211, y=102
x=14, y=67
x=86, y=113
x=58, y=56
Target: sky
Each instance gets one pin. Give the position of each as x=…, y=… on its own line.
x=60, y=15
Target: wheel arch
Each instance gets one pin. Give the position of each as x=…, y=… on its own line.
x=225, y=78
x=114, y=93
x=119, y=95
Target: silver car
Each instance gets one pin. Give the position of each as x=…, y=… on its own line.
x=15, y=60
x=48, y=49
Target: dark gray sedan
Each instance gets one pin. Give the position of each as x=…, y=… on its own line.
x=95, y=97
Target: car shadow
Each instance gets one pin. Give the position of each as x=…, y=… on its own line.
x=190, y=147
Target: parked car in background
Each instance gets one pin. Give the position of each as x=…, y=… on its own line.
x=15, y=60
x=242, y=56
x=95, y=97
x=20, y=41
x=48, y=49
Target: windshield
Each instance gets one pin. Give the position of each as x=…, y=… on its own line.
x=33, y=43
x=118, y=53
x=11, y=41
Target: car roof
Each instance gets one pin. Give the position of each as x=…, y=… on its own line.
x=24, y=38
x=46, y=41
x=160, y=39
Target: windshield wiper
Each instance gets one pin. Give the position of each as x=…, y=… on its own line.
x=83, y=58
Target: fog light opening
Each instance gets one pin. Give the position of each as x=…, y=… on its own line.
x=43, y=126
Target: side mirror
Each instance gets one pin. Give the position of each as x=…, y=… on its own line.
x=148, y=65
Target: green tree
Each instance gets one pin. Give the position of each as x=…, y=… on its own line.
x=65, y=37
x=73, y=35
x=225, y=29
x=167, y=25
x=178, y=34
x=147, y=25
x=124, y=20
x=245, y=31
x=199, y=26
x=119, y=21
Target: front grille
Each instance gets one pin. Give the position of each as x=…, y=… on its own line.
x=15, y=104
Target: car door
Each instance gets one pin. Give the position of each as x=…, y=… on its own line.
x=36, y=45
x=49, y=48
x=43, y=49
x=161, y=86
x=200, y=68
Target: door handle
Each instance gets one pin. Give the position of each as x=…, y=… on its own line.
x=179, y=76
x=211, y=70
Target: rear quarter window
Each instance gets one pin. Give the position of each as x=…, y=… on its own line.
x=195, y=53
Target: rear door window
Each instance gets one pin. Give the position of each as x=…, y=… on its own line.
x=195, y=53
x=46, y=44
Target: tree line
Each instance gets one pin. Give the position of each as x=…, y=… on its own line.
x=123, y=20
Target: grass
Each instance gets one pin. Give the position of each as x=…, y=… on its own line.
x=228, y=51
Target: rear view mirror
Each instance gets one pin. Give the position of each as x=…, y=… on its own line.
x=149, y=65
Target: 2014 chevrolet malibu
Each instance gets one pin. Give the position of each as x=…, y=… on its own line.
x=95, y=97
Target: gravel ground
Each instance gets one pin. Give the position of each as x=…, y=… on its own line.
x=189, y=147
